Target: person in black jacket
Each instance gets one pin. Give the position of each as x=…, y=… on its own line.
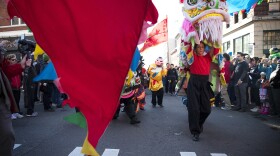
x=172, y=78
x=275, y=91
x=29, y=91
x=240, y=80
x=254, y=75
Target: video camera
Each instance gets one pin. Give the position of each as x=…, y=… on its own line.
x=26, y=47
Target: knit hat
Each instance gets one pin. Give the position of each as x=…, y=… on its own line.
x=263, y=73
x=46, y=58
x=273, y=50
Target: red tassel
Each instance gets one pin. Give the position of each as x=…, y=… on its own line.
x=181, y=1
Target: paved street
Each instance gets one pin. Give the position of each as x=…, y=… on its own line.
x=162, y=132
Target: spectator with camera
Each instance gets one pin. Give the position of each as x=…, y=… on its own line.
x=7, y=104
x=13, y=70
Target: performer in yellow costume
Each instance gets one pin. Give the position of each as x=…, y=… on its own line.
x=156, y=72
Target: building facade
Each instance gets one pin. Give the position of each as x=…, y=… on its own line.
x=12, y=29
x=254, y=32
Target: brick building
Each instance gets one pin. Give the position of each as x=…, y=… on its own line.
x=12, y=29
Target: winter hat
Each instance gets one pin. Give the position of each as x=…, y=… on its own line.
x=46, y=58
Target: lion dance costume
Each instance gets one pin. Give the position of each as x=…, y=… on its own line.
x=133, y=94
x=156, y=72
x=202, y=23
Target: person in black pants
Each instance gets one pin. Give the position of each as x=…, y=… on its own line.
x=130, y=109
x=172, y=77
x=199, y=91
x=240, y=79
x=166, y=82
x=254, y=75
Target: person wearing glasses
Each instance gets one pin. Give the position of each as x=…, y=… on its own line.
x=7, y=104
x=13, y=70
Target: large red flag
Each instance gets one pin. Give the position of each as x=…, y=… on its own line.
x=89, y=42
x=158, y=35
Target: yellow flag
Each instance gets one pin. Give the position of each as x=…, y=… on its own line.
x=38, y=51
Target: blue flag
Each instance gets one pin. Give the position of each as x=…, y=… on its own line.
x=237, y=5
x=48, y=73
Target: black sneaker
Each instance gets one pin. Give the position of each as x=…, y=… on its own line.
x=236, y=109
x=242, y=110
x=134, y=121
x=161, y=106
x=195, y=137
x=49, y=110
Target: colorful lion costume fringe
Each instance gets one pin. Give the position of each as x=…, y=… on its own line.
x=202, y=23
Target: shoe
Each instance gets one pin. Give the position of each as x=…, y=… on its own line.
x=34, y=114
x=195, y=137
x=134, y=121
x=201, y=128
x=256, y=109
x=19, y=116
x=115, y=117
x=153, y=105
x=225, y=108
x=242, y=110
x=49, y=110
x=161, y=106
x=13, y=116
x=236, y=109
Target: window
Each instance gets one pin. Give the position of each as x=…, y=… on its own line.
x=235, y=18
x=271, y=38
x=226, y=46
x=228, y=25
x=17, y=21
x=241, y=44
x=273, y=1
x=244, y=15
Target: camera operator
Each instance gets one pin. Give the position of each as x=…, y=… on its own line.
x=29, y=90
x=26, y=47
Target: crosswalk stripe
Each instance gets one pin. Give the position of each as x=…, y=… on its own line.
x=76, y=152
x=107, y=152
x=115, y=152
x=187, y=153
x=111, y=152
x=16, y=146
x=218, y=154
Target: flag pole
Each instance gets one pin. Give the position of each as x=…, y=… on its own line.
x=167, y=41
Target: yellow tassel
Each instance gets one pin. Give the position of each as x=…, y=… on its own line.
x=88, y=149
x=130, y=76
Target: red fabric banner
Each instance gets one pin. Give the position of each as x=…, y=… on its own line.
x=89, y=43
x=158, y=35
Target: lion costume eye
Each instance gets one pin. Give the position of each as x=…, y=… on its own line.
x=192, y=2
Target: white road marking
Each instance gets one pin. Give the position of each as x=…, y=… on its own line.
x=111, y=152
x=16, y=146
x=107, y=152
x=76, y=152
x=218, y=154
x=187, y=153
